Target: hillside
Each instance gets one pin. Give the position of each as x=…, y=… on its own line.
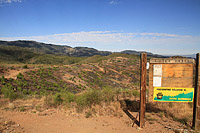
x=100, y=93
x=35, y=52
x=97, y=72
x=43, y=48
x=14, y=54
x=139, y=52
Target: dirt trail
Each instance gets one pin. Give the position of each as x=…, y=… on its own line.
x=67, y=120
x=13, y=73
x=55, y=121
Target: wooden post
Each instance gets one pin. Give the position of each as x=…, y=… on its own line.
x=143, y=78
x=196, y=105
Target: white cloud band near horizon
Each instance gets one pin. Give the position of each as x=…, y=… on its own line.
x=160, y=43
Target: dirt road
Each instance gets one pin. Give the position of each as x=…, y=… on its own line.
x=55, y=121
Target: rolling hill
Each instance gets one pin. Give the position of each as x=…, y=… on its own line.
x=43, y=48
x=33, y=52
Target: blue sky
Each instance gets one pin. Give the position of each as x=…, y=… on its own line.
x=158, y=26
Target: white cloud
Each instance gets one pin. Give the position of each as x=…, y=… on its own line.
x=113, y=2
x=163, y=43
x=9, y=1
x=162, y=35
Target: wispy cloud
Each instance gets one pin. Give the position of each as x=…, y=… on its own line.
x=162, y=35
x=163, y=43
x=113, y=2
x=9, y=1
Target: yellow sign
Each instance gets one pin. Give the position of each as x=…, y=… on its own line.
x=172, y=94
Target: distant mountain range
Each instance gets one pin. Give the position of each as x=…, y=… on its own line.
x=187, y=56
x=139, y=52
x=38, y=47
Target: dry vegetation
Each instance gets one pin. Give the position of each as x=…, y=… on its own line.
x=96, y=86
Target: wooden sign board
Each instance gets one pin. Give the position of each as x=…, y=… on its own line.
x=172, y=60
x=174, y=73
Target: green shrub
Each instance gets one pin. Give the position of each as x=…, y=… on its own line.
x=34, y=93
x=20, y=76
x=136, y=93
x=57, y=99
x=93, y=97
x=3, y=80
x=88, y=114
x=25, y=67
x=8, y=92
x=81, y=100
x=19, y=83
x=25, y=92
x=55, y=68
x=43, y=93
x=50, y=88
x=108, y=94
x=49, y=101
x=89, y=98
x=19, y=88
x=126, y=93
x=22, y=109
x=49, y=73
x=25, y=84
x=29, y=91
x=38, y=108
x=68, y=97
x=38, y=87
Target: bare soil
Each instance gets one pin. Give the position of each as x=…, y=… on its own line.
x=13, y=73
x=107, y=118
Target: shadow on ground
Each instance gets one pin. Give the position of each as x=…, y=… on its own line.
x=130, y=106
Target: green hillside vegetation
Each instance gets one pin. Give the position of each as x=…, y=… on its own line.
x=97, y=75
x=42, y=48
x=99, y=58
x=54, y=59
x=63, y=79
x=36, y=47
x=14, y=54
